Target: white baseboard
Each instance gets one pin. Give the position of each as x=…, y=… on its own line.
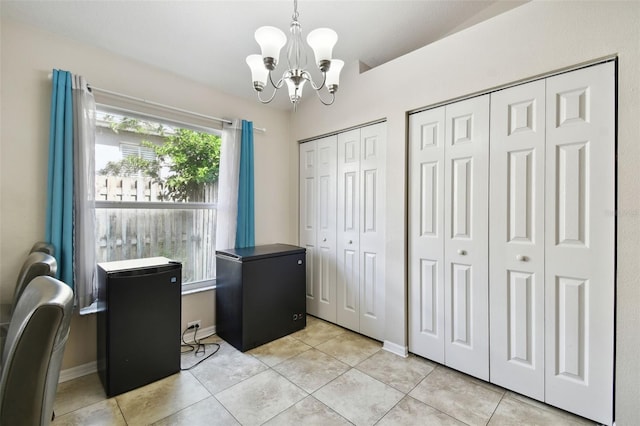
x=394, y=348
x=78, y=371
x=92, y=367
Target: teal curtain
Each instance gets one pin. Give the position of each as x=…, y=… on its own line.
x=245, y=232
x=59, y=221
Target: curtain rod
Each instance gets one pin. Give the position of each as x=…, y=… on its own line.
x=167, y=107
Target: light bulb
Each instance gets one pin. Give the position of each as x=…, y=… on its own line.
x=259, y=72
x=295, y=91
x=333, y=75
x=271, y=40
x=322, y=41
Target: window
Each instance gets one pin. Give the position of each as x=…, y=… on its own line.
x=128, y=149
x=156, y=192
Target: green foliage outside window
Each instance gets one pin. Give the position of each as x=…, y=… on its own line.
x=194, y=161
x=191, y=158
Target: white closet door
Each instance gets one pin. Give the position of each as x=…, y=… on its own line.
x=516, y=242
x=326, y=207
x=373, y=141
x=426, y=234
x=466, y=236
x=348, y=258
x=580, y=241
x=308, y=219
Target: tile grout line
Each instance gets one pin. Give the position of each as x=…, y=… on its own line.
x=222, y=390
x=406, y=395
x=350, y=367
x=287, y=379
x=496, y=409
x=437, y=366
x=120, y=410
x=210, y=395
x=271, y=367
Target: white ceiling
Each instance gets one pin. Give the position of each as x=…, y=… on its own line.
x=208, y=41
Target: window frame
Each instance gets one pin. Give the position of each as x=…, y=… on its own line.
x=187, y=288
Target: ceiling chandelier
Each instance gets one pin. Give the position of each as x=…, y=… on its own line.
x=272, y=39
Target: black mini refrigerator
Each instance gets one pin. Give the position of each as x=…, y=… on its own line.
x=260, y=294
x=139, y=314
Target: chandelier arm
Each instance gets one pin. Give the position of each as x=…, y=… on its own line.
x=308, y=77
x=276, y=85
x=273, y=95
x=333, y=98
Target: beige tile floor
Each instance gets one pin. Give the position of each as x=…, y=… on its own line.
x=322, y=375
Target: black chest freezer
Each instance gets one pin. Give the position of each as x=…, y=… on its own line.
x=260, y=294
x=139, y=313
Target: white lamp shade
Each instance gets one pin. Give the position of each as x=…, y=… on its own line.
x=322, y=41
x=292, y=88
x=258, y=71
x=271, y=40
x=333, y=75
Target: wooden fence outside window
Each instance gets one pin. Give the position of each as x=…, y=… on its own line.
x=179, y=231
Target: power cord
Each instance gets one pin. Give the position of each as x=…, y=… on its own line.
x=198, y=346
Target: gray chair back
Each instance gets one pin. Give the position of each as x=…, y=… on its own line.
x=32, y=355
x=35, y=265
x=43, y=247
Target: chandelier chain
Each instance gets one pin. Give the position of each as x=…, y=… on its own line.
x=295, y=10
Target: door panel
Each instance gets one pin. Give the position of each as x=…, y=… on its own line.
x=571, y=181
x=461, y=305
x=466, y=193
x=373, y=142
x=580, y=241
x=461, y=197
x=426, y=234
x=427, y=299
x=521, y=330
x=326, y=208
x=571, y=328
x=348, y=242
x=308, y=215
x=516, y=241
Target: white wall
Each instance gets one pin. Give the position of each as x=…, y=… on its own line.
x=531, y=40
x=28, y=56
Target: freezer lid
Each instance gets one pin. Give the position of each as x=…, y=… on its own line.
x=260, y=252
x=131, y=264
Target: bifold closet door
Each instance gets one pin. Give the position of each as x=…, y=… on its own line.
x=546, y=274
x=580, y=241
x=318, y=215
x=466, y=197
x=373, y=143
x=360, y=223
x=448, y=235
x=426, y=234
x=348, y=239
x=516, y=242
x=326, y=208
x=308, y=218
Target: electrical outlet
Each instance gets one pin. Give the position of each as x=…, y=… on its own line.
x=194, y=324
